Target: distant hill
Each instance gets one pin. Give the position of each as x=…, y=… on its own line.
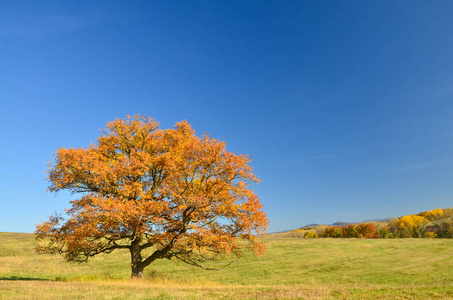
x=313, y=225
x=340, y=223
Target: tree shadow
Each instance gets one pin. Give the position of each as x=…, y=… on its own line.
x=13, y=278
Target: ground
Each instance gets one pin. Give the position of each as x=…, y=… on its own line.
x=291, y=269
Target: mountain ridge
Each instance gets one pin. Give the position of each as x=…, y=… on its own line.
x=339, y=223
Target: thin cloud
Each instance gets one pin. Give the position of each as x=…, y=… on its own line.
x=360, y=213
x=39, y=27
x=9, y=175
x=322, y=156
x=16, y=192
x=424, y=165
x=447, y=89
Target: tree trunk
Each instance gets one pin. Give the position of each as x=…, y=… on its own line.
x=137, y=272
x=136, y=260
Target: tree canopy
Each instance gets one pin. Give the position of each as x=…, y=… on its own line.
x=171, y=192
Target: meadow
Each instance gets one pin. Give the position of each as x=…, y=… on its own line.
x=292, y=268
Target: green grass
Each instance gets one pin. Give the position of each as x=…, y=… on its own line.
x=291, y=269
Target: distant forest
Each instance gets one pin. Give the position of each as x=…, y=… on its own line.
x=436, y=223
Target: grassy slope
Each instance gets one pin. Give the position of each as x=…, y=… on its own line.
x=292, y=268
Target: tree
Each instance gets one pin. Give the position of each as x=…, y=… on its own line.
x=332, y=232
x=311, y=235
x=327, y=232
x=351, y=231
x=432, y=215
x=411, y=226
x=366, y=230
x=169, y=192
x=383, y=230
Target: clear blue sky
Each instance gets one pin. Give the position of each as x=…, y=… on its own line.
x=345, y=106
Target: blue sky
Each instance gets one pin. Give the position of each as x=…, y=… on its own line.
x=345, y=106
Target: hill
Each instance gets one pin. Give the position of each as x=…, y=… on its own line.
x=436, y=223
x=338, y=224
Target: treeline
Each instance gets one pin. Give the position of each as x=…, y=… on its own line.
x=436, y=223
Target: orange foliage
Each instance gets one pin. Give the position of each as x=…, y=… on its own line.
x=367, y=230
x=432, y=215
x=185, y=197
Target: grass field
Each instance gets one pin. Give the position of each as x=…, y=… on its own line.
x=291, y=269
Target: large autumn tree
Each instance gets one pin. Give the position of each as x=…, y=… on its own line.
x=158, y=193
